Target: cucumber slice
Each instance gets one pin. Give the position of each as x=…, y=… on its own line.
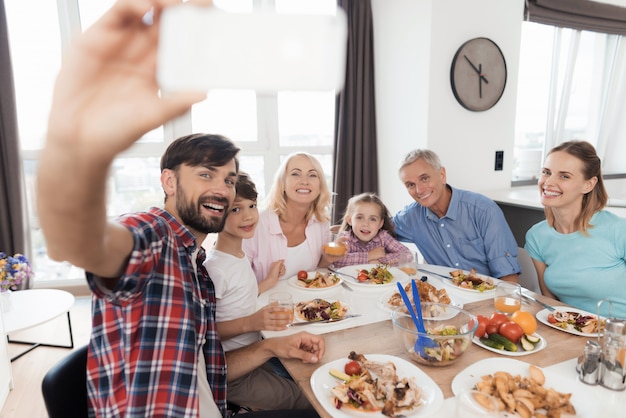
x=533, y=338
x=526, y=344
x=339, y=375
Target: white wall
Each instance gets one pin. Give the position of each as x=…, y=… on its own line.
x=414, y=42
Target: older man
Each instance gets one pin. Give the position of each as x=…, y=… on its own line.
x=453, y=227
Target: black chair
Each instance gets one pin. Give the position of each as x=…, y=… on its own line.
x=64, y=387
x=64, y=390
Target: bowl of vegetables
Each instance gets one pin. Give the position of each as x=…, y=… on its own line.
x=450, y=335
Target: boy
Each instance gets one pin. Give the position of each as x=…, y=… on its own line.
x=238, y=322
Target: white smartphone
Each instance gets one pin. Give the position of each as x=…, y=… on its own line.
x=203, y=48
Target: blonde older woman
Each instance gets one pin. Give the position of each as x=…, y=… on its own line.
x=294, y=223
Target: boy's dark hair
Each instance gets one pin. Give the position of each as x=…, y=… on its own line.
x=200, y=150
x=246, y=187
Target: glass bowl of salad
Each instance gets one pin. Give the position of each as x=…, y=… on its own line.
x=450, y=332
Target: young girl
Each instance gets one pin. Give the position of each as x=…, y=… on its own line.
x=370, y=233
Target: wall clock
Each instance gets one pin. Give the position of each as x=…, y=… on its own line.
x=478, y=74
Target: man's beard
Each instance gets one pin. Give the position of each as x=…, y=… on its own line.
x=191, y=215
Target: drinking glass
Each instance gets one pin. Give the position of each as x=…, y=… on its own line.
x=408, y=264
x=508, y=297
x=337, y=245
x=283, y=303
x=475, y=404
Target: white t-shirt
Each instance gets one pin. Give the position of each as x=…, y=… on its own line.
x=236, y=290
x=297, y=257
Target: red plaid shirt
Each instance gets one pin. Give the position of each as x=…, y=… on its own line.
x=148, y=332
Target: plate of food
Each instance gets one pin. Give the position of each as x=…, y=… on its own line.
x=470, y=281
x=572, y=320
x=422, y=397
x=315, y=280
x=391, y=299
x=316, y=310
x=373, y=276
x=524, y=384
x=527, y=344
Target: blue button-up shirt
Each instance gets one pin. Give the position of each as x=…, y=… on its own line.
x=472, y=234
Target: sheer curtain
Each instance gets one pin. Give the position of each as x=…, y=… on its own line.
x=356, y=163
x=13, y=237
x=605, y=102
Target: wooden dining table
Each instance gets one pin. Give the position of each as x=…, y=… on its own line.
x=377, y=337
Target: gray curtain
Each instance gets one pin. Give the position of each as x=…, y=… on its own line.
x=356, y=163
x=578, y=14
x=12, y=237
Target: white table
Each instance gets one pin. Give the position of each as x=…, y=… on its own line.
x=34, y=307
x=362, y=300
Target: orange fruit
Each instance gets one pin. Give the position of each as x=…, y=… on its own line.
x=526, y=320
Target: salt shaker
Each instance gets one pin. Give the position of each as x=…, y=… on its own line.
x=589, y=363
x=612, y=370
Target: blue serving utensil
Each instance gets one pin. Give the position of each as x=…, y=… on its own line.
x=420, y=343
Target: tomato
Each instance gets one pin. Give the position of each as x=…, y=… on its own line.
x=551, y=319
x=352, y=368
x=498, y=319
x=526, y=320
x=482, y=326
x=491, y=329
x=303, y=275
x=363, y=277
x=511, y=330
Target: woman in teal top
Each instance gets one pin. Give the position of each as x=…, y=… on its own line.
x=579, y=251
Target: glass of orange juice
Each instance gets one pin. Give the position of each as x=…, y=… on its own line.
x=408, y=264
x=282, y=303
x=337, y=245
x=507, y=297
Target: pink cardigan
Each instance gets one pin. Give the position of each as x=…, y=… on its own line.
x=270, y=244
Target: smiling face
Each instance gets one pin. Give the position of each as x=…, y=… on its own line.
x=366, y=220
x=426, y=185
x=202, y=195
x=302, y=182
x=562, y=183
x=242, y=218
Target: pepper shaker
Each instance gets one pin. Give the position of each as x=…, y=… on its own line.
x=589, y=363
x=612, y=370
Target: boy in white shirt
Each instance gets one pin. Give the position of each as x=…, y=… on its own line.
x=238, y=322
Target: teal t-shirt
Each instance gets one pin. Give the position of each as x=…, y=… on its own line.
x=583, y=269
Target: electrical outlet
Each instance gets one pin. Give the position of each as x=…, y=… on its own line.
x=499, y=160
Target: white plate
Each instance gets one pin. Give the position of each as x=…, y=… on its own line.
x=322, y=383
x=454, y=286
x=581, y=398
x=398, y=276
x=382, y=302
x=296, y=283
x=298, y=318
x=520, y=351
x=542, y=316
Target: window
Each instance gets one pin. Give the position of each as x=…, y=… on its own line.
x=267, y=127
x=571, y=86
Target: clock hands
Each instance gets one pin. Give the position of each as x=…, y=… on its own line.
x=481, y=77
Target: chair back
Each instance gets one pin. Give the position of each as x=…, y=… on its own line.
x=528, y=278
x=64, y=386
